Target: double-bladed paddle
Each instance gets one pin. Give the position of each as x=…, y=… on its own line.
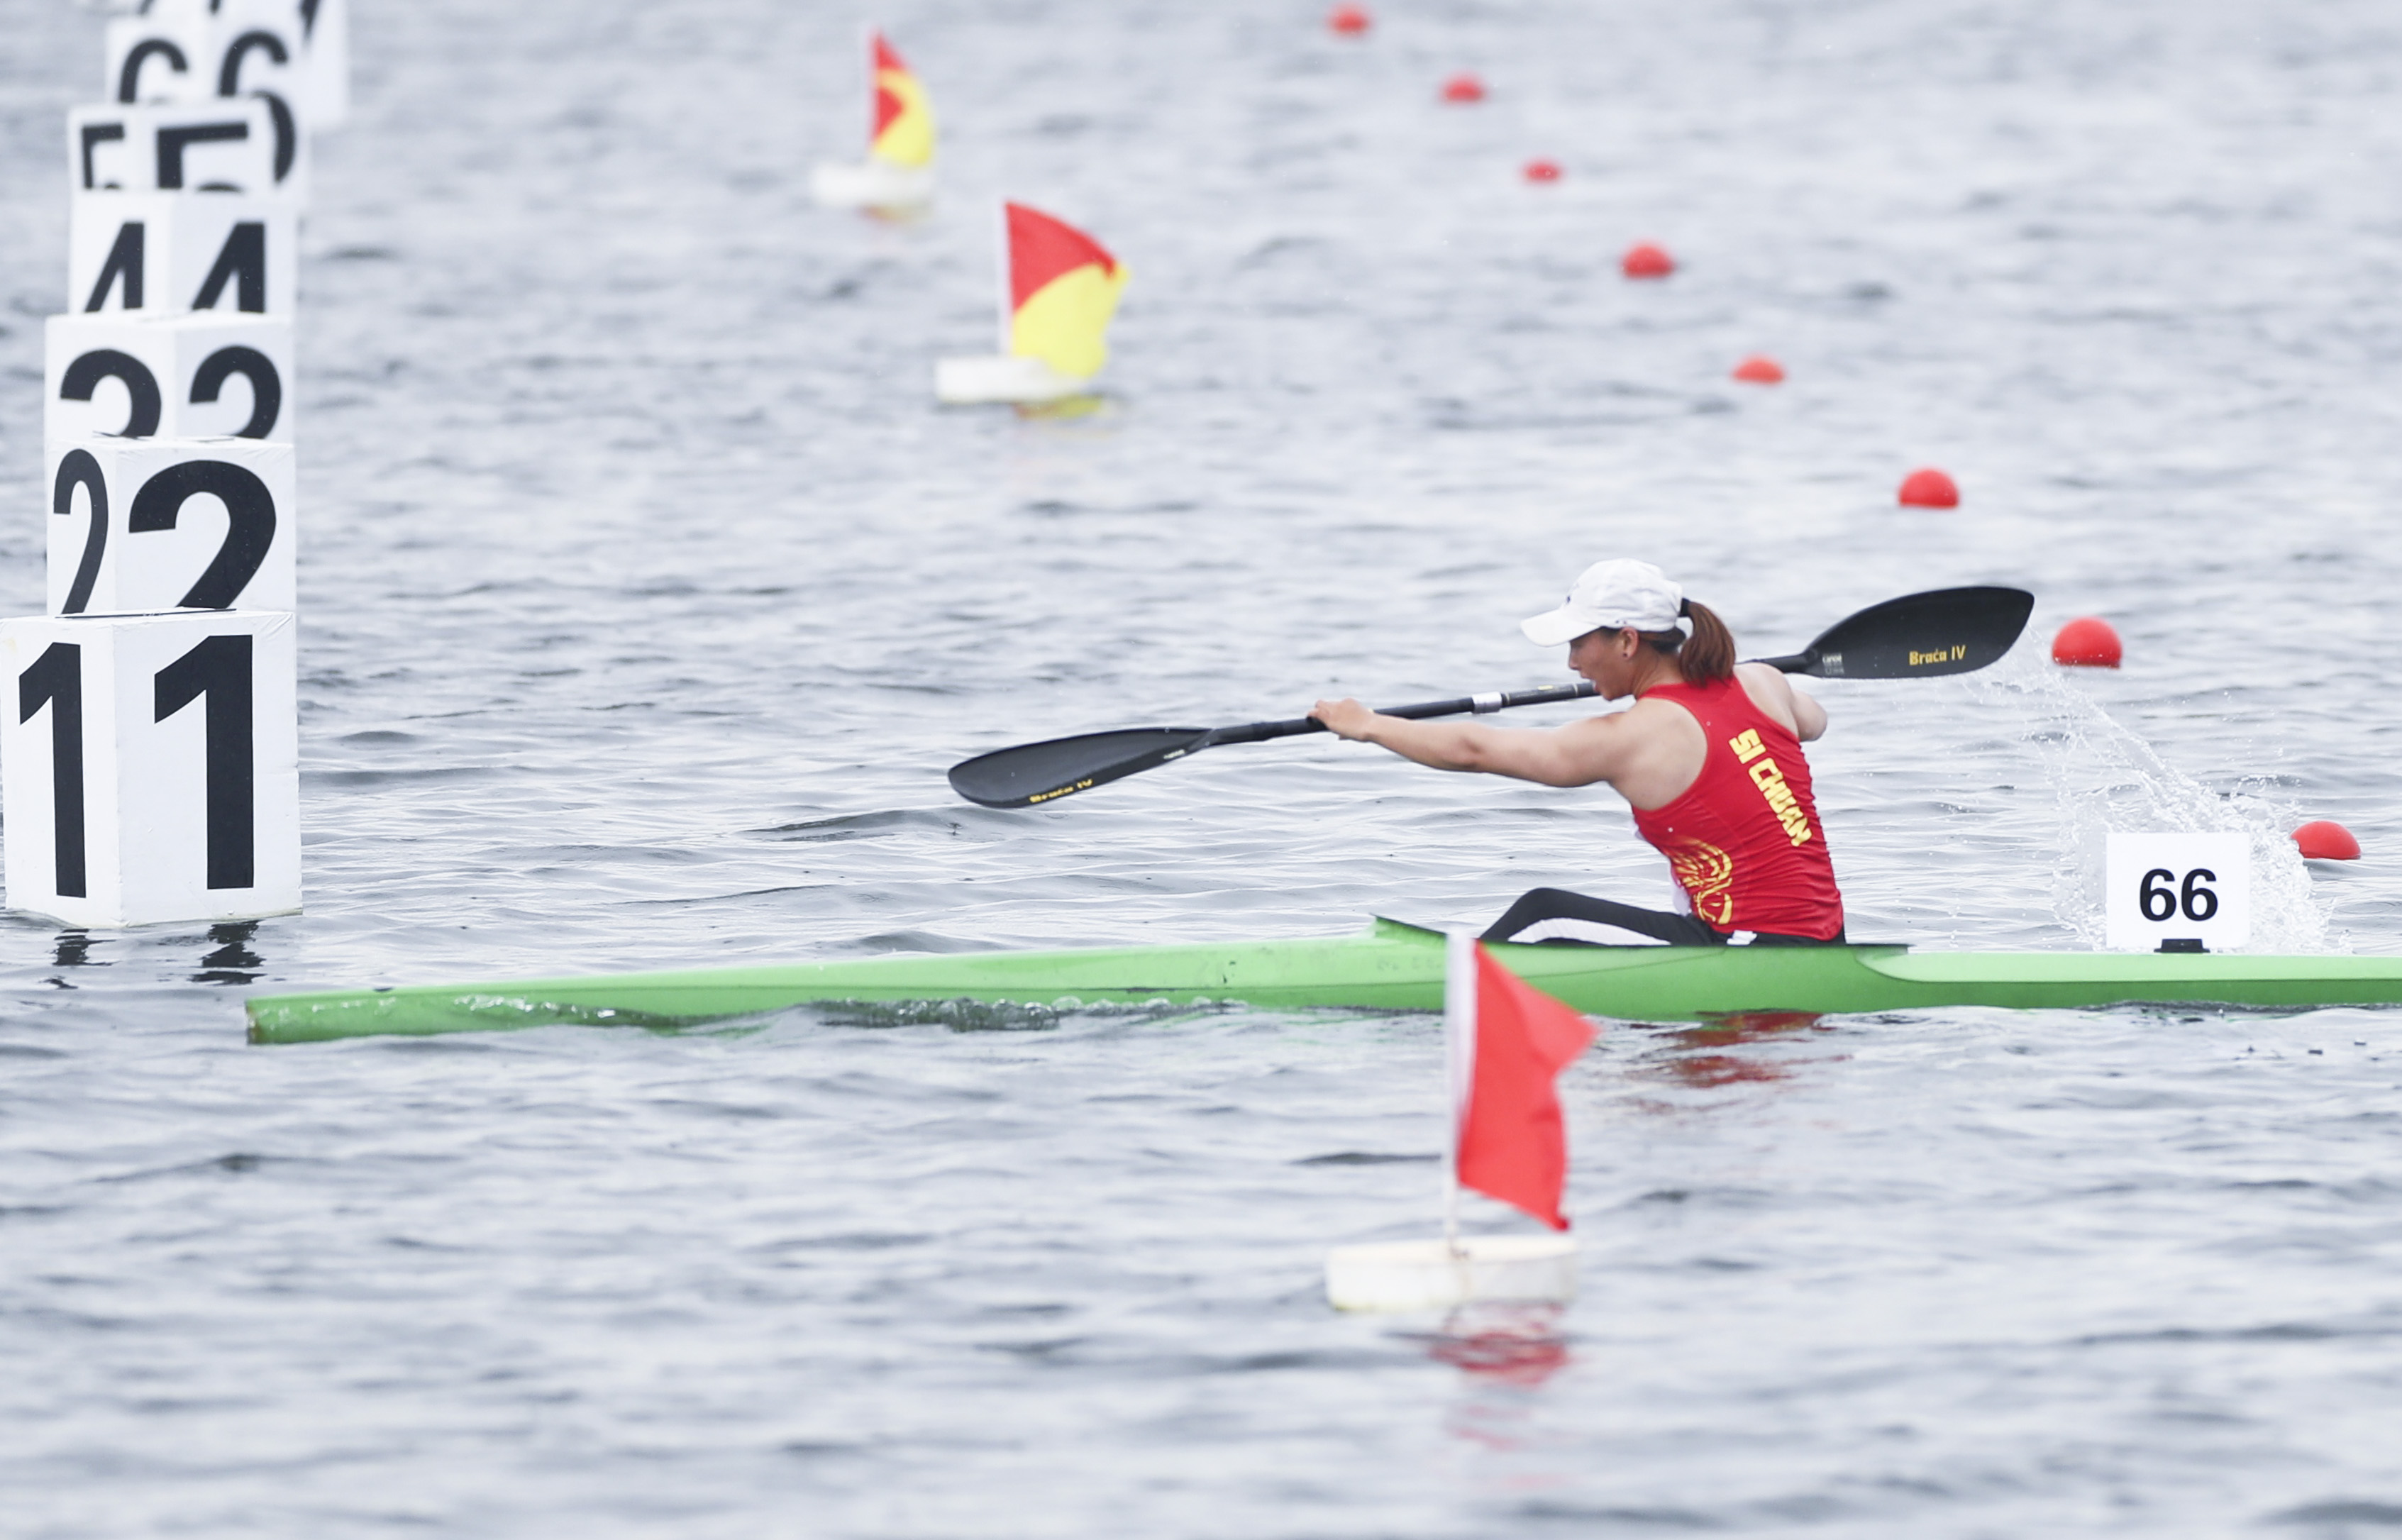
x=1945, y=631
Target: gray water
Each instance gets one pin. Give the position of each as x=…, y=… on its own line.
x=646, y=595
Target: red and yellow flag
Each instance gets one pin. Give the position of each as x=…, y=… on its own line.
x=904, y=132
x=1063, y=288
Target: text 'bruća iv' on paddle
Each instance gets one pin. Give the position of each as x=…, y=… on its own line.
x=1917, y=636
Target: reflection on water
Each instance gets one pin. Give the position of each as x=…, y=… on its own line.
x=73, y=948
x=1512, y=1344
x=1503, y=1353
x=1066, y=408
x=232, y=962
x=1701, y=1057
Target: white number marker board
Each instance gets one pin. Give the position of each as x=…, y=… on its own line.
x=2182, y=888
x=236, y=49
x=164, y=253
x=170, y=524
x=224, y=144
x=203, y=375
x=154, y=57
x=326, y=29
x=149, y=767
x=189, y=42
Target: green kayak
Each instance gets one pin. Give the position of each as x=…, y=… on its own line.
x=1390, y=967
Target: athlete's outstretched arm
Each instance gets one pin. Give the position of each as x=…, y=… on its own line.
x=1579, y=754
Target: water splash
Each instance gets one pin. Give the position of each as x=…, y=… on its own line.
x=2109, y=781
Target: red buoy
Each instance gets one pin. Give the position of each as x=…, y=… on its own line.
x=1542, y=170
x=1759, y=369
x=1347, y=21
x=1648, y=261
x=1930, y=488
x=2087, y=643
x=1463, y=87
x=2324, y=841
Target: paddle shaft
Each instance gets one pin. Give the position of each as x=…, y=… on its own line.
x=1260, y=731
x=1458, y=705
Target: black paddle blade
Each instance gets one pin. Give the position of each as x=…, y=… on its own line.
x=1918, y=635
x=1032, y=773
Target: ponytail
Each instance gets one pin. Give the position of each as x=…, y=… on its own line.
x=1705, y=658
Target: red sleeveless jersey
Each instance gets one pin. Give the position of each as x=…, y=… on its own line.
x=1744, y=841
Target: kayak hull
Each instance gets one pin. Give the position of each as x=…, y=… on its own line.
x=1389, y=968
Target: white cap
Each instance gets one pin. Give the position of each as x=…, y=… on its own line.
x=1609, y=596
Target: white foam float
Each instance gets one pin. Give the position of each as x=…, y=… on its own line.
x=898, y=176
x=1002, y=378
x=1058, y=289
x=872, y=185
x=1440, y=1274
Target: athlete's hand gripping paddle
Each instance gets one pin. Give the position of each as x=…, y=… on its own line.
x=1946, y=631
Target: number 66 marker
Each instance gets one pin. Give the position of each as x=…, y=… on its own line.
x=149, y=766
x=2177, y=893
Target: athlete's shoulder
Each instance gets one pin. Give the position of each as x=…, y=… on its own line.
x=1768, y=690
x=1666, y=716
x=1763, y=678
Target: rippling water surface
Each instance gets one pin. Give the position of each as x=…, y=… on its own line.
x=646, y=596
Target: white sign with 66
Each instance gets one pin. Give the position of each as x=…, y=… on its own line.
x=2164, y=889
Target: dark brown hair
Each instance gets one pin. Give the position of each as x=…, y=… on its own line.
x=1705, y=658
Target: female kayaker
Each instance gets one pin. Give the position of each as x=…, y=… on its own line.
x=1709, y=757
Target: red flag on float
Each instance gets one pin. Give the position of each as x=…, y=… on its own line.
x=1507, y=1042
